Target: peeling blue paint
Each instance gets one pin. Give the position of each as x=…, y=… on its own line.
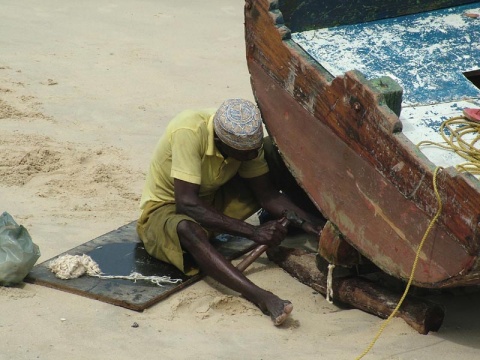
x=425, y=53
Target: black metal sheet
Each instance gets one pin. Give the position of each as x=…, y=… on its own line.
x=120, y=252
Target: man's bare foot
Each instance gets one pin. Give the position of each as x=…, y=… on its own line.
x=277, y=308
x=278, y=319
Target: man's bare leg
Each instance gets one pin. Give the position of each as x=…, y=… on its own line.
x=195, y=241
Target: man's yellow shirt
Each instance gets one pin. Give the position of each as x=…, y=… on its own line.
x=187, y=152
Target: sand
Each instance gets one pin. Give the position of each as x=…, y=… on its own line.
x=86, y=89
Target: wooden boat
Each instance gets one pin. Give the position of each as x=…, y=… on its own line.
x=341, y=134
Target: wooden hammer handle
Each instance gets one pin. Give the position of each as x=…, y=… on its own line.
x=255, y=253
x=250, y=258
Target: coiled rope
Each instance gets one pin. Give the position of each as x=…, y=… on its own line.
x=462, y=137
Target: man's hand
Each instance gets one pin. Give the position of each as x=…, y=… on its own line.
x=270, y=233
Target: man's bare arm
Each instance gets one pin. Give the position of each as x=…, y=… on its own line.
x=277, y=203
x=189, y=203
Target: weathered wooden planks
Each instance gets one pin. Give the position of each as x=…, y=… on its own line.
x=346, y=149
x=426, y=53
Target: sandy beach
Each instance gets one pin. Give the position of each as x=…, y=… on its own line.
x=86, y=89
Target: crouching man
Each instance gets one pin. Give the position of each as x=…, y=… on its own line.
x=207, y=175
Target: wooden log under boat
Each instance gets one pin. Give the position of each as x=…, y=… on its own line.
x=421, y=314
x=346, y=149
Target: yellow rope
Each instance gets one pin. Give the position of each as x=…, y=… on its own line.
x=454, y=132
x=414, y=267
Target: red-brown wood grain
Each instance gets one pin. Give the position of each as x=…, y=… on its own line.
x=346, y=149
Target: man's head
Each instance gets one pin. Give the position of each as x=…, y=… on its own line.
x=238, y=125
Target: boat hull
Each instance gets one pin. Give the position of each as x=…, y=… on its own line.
x=345, y=147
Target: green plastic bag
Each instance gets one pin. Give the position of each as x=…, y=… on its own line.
x=18, y=253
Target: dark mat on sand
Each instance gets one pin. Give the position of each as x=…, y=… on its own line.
x=120, y=252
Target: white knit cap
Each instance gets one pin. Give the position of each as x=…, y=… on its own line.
x=238, y=124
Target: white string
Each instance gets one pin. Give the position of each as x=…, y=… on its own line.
x=73, y=266
x=157, y=280
x=330, y=283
